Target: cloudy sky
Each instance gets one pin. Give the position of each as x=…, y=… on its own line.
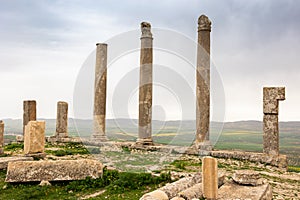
x=44, y=45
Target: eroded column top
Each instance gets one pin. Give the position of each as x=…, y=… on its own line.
x=271, y=96
x=146, y=30
x=204, y=24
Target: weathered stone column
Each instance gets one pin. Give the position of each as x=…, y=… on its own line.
x=271, y=96
x=1, y=137
x=29, y=112
x=34, y=138
x=203, y=83
x=100, y=93
x=210, y=177
x=62, y=120
x=145, y=89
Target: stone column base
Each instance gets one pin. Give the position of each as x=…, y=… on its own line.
x=99, y=138
x=205, y=148
x=144, y=141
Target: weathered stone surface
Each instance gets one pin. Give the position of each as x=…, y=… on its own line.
x=29, y=112
x=274, y=160
x=271, y=96
x=62, y=119
x=193, y=192
x=210, y=177
x=271, y=134
x=1, y=137
x=234, y=191
x=26, y=171
x=203, y=80
x=247, y=177
x=5, y=160
x=155, y=195
x=174, y=188
x=177, y=198
x=100, y=93
x=145, y=88
x=34, y=138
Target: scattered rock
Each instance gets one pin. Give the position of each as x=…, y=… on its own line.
x=45, y=183
x=247, y=177
x=232, y=190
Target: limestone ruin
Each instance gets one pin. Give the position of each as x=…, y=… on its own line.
x=100, y=93
x=210, y=177
x=26, y=171
x=271, y=98
x=212, y=185
x=203, y=84
x=29, y=112
x=145, y=89
x=62, y=120
x=34, y=138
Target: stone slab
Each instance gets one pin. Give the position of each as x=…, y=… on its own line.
x=247, y=177
x=5, y=160
x=60, y=170
x=232, y=191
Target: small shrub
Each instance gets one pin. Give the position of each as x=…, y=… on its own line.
x=14, y=147
x=126, y=149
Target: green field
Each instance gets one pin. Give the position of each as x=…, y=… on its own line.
x=242, y=135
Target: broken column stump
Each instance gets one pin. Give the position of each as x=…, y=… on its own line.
x=29, y=112
x=60, y=170
x=62, y=120
x=34, y=138
x=271, y=98
x=210, y=177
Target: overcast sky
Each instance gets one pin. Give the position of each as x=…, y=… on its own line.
x=45, y=43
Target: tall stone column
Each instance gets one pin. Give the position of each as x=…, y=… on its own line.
x=29, y=112
x=1, y=137
x=100, y=93
x=271, y=98
x=203, y=82
x=145, y=89
x=62, y=120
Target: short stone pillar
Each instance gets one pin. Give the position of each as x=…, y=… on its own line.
x=100, y=94
x=62, y=120
x=203, y=84
x=1, y=137
x=271, y=98
x=210, y=177
x=34, y=138
x=145, y=89
x=29, y=112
